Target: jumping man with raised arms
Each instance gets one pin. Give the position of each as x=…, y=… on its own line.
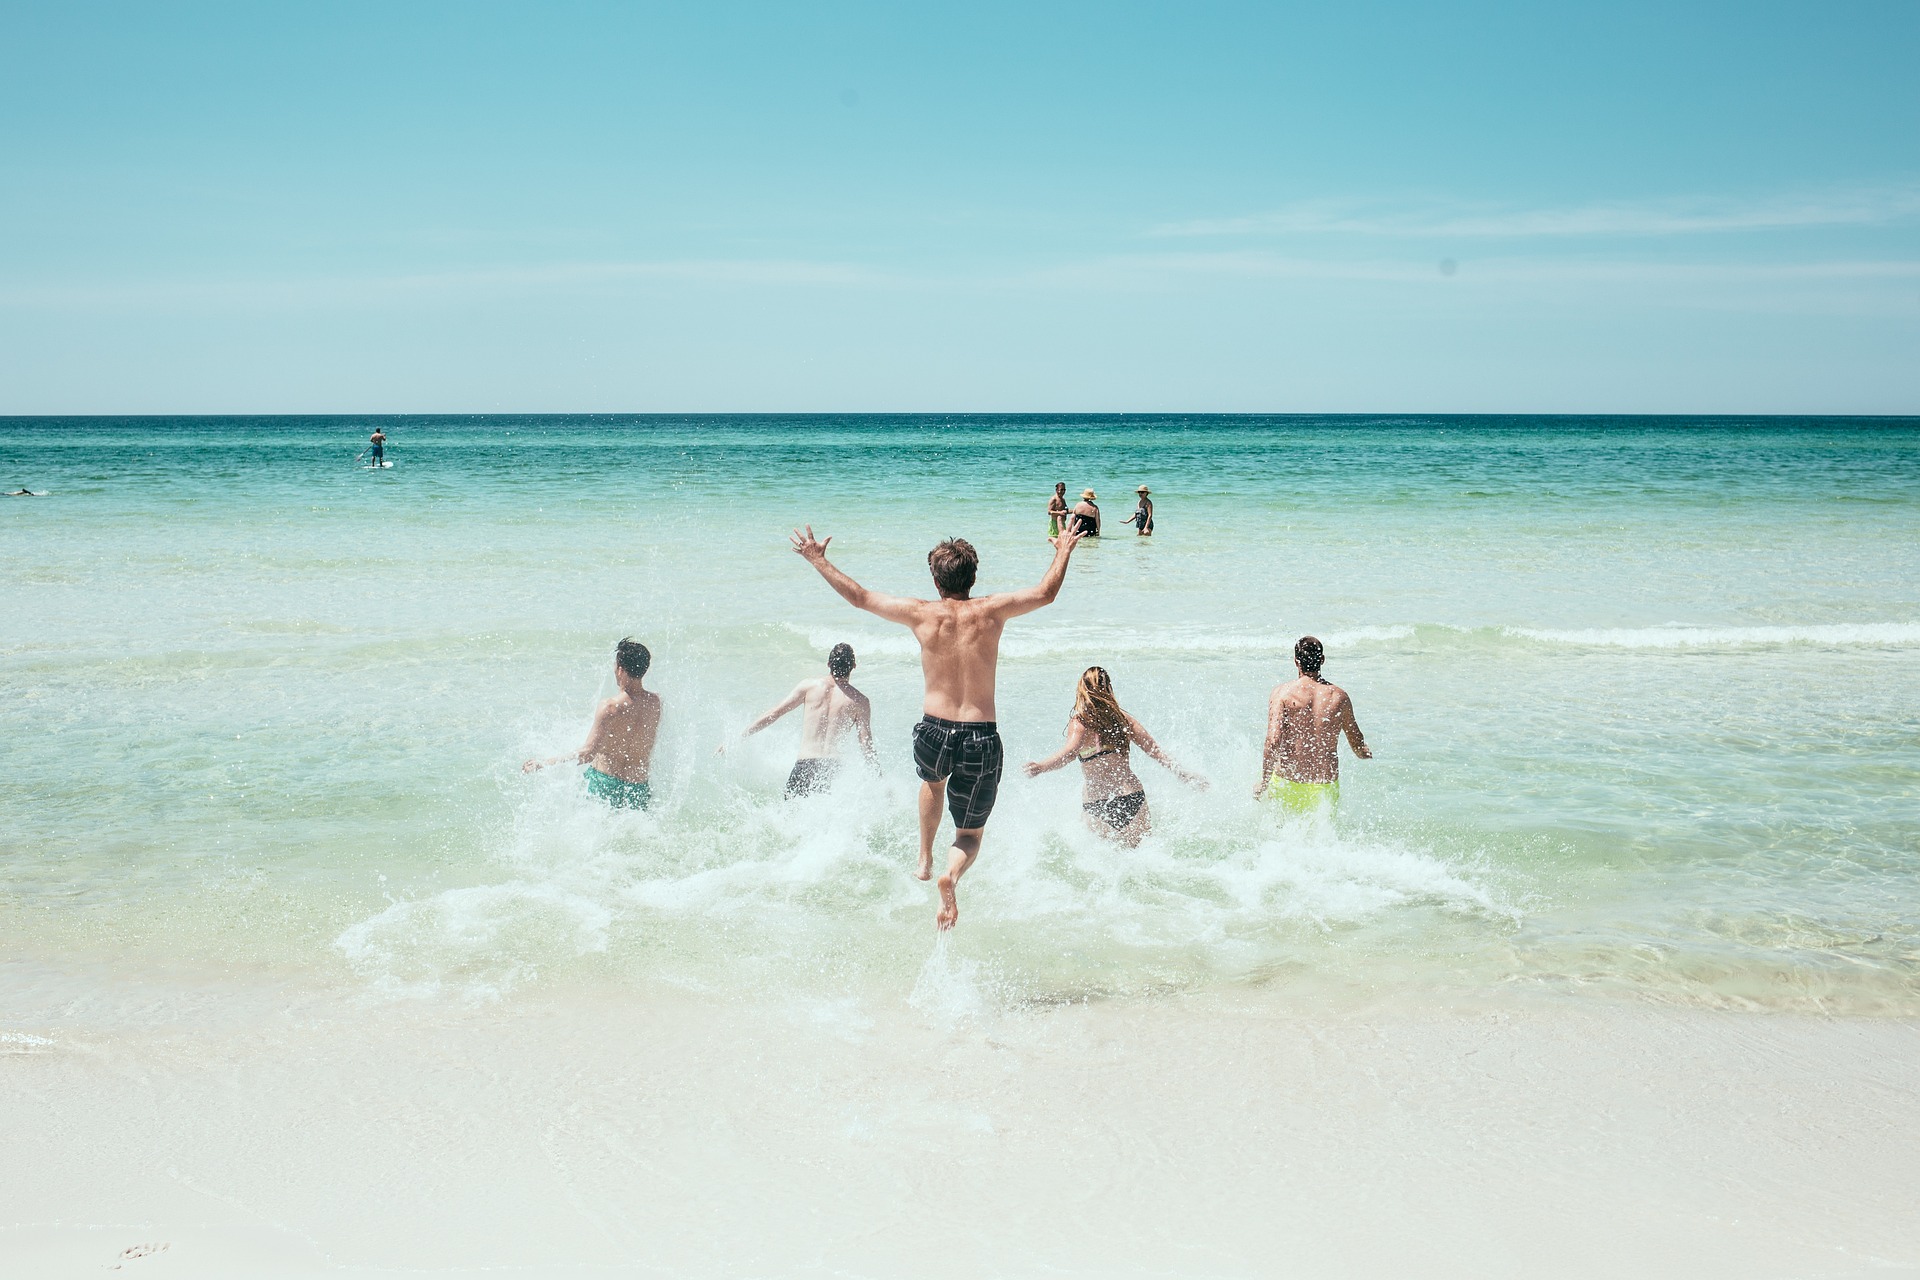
x=956, y=746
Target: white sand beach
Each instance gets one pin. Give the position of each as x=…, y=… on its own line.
x=288, y=1133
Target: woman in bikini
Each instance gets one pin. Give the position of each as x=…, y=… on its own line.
x=1101, y=736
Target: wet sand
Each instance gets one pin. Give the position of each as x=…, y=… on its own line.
x=273, y=1131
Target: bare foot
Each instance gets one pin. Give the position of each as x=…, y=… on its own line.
x=949, y=905
x=926, y=867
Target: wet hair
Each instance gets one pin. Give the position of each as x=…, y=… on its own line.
x=1095, y=707
x=954, y=564
x=840, y=661
x=1309, y=653
x=632, y=657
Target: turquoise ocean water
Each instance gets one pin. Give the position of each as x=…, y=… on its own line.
x=1644, y=694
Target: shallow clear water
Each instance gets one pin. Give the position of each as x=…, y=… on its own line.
x=1645, y=698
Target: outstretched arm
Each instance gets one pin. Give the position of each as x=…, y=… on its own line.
x=1076, y=734
x=1012, y=604
x=588, y=749
x=1140, y=735
x=814, y=552
x=1352, y=728
x=792, y=700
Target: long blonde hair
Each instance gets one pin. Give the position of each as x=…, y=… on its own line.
x=1095, y=707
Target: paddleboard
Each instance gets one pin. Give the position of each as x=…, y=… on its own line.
x=377, y=466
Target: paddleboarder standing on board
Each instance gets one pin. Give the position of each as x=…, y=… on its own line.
x=379, y=443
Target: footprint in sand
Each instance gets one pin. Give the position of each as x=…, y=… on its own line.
x=140, y=1251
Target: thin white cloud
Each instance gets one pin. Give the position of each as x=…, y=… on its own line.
x=1258, y=265
x=1690, y=216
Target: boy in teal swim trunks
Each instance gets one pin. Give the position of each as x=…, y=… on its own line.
x=618, y=751
x=1300, y=767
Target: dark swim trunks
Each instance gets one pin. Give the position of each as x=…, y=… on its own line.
x=968, y=757
x=811, y=775
x=1117, y=812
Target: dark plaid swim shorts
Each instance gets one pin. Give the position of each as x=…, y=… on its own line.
x=967, y=757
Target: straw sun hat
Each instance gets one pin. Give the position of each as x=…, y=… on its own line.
x=1087, y=494
x=1143, y=489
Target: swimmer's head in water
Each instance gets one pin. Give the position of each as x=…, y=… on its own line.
x=632, y=657
x=954, y=563
x=840, y=661
x=1308, y=654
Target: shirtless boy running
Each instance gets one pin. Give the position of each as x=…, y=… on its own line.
x=1305, y=718
x=618, y=751
x=956, y=746
x=833, y=706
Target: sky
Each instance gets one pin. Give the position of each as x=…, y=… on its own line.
x=629, y=207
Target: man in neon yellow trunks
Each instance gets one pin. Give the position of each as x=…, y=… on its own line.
x=1300, y=767
x=618, y=751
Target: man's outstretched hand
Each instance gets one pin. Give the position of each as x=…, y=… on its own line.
x=1066, y=539
x=812, y=548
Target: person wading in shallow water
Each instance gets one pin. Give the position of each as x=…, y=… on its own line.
x=618, y=751
x=1086, y=515
x=1305, y=718
x=1143, y=514
x=833, y=706
x=1057, y=510
x=956, y=745
x=1099, y=735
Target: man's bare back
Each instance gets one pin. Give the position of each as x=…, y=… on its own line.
x=959, y=654
x=830, y=709
x=618, y=751
x=831, y=706
x=620, y=743
x=1305, y=718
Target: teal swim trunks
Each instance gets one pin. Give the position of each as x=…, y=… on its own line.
x=617, y=792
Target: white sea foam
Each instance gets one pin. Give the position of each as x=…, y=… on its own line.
x=22, y=1042
x=948, y=988
x=745, y=890
x=483, y=940
x=1870, y=634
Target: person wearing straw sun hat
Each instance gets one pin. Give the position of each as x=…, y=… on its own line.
x=1086, y=515
x=1143, y=514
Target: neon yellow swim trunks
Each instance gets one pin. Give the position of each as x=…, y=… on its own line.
x=1303, y=797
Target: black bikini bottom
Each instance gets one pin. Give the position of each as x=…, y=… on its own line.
x=1118, y=811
